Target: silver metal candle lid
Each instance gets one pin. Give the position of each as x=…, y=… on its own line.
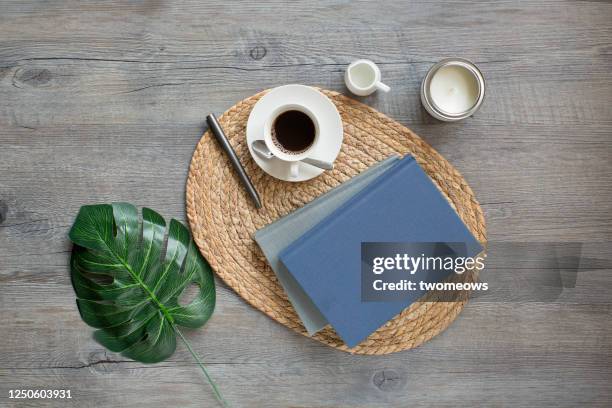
x=431, y=106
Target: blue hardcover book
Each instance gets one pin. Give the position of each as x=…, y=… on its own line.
x=403, y=205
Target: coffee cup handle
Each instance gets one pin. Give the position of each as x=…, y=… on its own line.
x=294, y=169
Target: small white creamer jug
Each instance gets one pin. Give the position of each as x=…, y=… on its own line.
x=362, y=77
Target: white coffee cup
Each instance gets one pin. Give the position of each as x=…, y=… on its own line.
x=362, y=77
x=292, y=158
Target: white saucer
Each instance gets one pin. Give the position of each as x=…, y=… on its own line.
x=331, y=135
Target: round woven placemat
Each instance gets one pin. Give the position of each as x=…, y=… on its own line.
x=223, y=218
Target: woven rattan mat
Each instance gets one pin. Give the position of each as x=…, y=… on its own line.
x=223, y=219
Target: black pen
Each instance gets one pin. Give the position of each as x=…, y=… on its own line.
x=216, y=130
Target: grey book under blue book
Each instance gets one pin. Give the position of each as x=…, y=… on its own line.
x=278, y=235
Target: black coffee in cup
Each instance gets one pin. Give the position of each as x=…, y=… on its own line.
x=293, y=132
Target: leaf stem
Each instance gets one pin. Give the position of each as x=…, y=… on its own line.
x=203, y=368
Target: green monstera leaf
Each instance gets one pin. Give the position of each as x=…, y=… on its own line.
x=128, y=282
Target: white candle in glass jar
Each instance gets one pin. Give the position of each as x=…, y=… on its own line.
x=453, y=89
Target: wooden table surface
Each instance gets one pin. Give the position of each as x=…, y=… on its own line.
x=104, y=101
